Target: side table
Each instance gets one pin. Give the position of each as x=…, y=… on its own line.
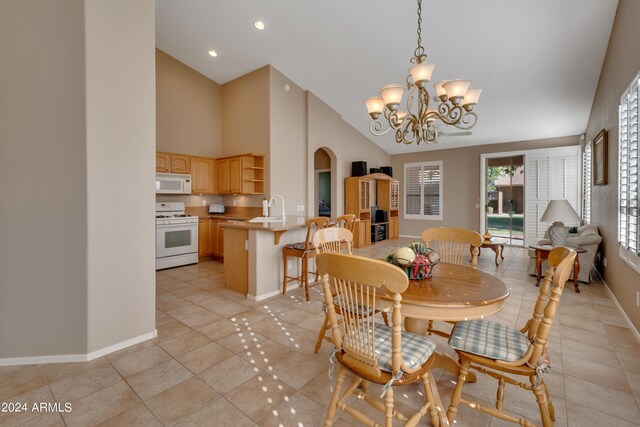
x=496, y=244
x=542, y=253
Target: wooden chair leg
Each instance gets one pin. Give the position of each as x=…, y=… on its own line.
x=543, y=403
x=331, y=410
x=457, y=392
x=388, y=407
x=322, y=333
x=429, y=385
x=552, y=411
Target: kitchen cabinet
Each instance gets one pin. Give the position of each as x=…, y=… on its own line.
x=204, y=237
x=241, y=174
x=235, y=175
x=173, y=163
x=180, y=163
x=210, y=237
x=203, y=172
x=223, y=176
x=163, y=162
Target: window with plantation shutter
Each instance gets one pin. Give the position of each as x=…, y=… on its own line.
x=628, y=214
x=423, y=190
x=586, y=183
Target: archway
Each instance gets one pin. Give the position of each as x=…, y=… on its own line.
x=324, y=183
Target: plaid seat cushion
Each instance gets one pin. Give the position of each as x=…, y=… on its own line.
x=489, y=339
x=416, y=349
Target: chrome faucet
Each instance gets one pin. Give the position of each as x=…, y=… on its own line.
x=282, y=216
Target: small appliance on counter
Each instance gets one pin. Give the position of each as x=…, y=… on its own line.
x=216, y=208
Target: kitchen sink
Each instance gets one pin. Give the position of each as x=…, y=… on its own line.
x=266, y=219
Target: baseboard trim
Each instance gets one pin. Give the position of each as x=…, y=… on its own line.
x=67, y=358
x=615, y=301
x=412, y=237
x=271, y=294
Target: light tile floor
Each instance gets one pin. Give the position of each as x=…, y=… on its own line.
x=222, y=360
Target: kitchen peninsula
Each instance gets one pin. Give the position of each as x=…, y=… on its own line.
x=253, y=254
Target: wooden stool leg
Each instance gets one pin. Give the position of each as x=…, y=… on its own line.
x=305, y=276
x=286, y=274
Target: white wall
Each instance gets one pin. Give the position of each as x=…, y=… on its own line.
x=120, y=50
x=43, y=196
x=77, y=141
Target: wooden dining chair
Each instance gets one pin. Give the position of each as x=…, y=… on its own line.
x=452, y=244
x=496, y=350
x=303, y=251
x=347, y=221
x=371, y=351
x=333, y=240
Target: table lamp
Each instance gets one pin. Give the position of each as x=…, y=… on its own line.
x=558, y=212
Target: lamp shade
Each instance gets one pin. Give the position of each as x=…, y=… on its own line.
x=559, y=211
x=472, y=96
x=439, y=89
x=374, y=105
x=456, y=88
x=421, y=72
x=392, y=95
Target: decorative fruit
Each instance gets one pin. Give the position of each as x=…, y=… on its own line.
x=434, y=258
x=404, y=256
x=419, y=248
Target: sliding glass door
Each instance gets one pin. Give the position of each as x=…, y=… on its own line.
x=504, y=207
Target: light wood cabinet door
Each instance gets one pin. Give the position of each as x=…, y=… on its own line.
x=365, y=203
x=202, y=173
x=180, y=163
x=215, y=241
x=235, y=175
x=163, y=162
x=223, y=176
x=204, y=237
x=221, y=241
x=394, y=231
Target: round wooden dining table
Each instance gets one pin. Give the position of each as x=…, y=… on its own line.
x=453, y=292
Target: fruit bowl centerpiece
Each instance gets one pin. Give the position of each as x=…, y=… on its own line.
x=416, y=260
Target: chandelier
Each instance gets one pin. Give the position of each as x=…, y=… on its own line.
x=453, y=105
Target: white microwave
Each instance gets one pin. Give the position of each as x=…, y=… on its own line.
x=173, y=183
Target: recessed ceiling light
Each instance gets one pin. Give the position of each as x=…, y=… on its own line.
x=213, y=53
x=259, y=25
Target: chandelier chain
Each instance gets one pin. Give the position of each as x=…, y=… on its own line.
x=419, y=52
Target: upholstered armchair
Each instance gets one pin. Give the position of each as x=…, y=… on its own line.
x=586, y=238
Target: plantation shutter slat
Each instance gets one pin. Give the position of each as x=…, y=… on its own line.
x=586, y=183
x=431, y=185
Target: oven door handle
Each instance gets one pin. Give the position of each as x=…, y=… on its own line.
x=194, y=225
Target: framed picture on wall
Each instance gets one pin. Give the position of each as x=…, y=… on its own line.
x=600, y=158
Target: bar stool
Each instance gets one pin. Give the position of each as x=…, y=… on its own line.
x=304, y=251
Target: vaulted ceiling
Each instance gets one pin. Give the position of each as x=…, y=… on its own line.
x=538, y=61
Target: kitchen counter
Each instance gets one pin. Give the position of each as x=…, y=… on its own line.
x=228, y=217
x=253, y=255
x=291, y=223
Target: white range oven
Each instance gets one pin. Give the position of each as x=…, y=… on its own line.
x=176, y=236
